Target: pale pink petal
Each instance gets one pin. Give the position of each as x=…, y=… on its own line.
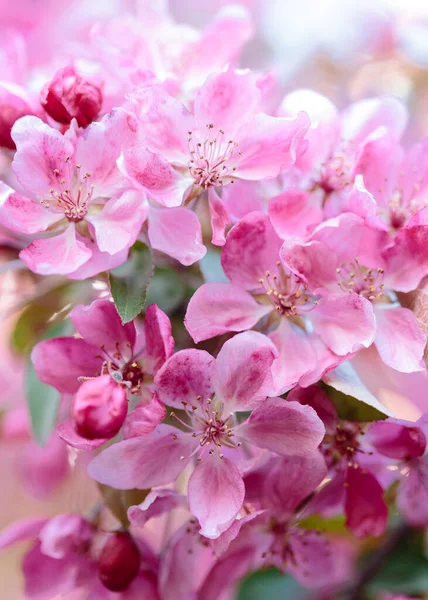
x=64, y=533
x=185, y=376
x=222, y=543
x=242, y=198
x=99, y=261
x=269, y=144
x=216, y=308
x=314, y=558
x=283, y=427
x=118, y=224
x=365, y=508
x=67, y=433
x=406, y=260
x=61, y=361
x=362, y=203
x=183, y=243
x=293, y=214
x=40, y=162
x=314, y=263
x=242, y=374
x=23, y=215
x=59, y=255
x=219, y=100
x=100, y=325
x=316, y=397
x=219, y=217
x=154, y=174
x=399, y=339
x=43, y=468
x=397, y=439
x=166, y=123
x=216, y=493
x=252, y=248
x=345, y=322
x=144, y=462
x=27, y=529
x=364, y=117
x=412, y=498
x=156, y=503
x=144, y=418
x=158, y=338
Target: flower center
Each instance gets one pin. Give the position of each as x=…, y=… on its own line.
x=122, y=369
x=368, y=283
x=73, y=201
x=210, y=162
x=334, y=173
x=287, y=292
x=344, y=444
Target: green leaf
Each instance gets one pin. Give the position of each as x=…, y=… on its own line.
x=270, y=585
x=128, y=283
x=43, y=401
x=119, y=501
x=166, y=289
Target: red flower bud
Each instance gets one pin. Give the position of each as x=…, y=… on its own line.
x=99, y=408
x=119, y=562
x=13, y=105
x=70, y=96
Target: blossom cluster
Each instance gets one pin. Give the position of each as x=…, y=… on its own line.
x=285, y=387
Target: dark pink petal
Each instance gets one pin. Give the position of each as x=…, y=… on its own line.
x=156, y=503
x=283, y=427
x=100, y=325
x=269, y=144
x=185, y=376
x=242, y=374
x=23, y=215
x=406, y=261
x=216, y=493
x=67, y=433
x=158, y=338
x=365, y=508
x=316, y=397
x=40, y=151
x=345, y=322
x=252, y=248
x=292, y=479
x=399, y=339
x=397, y=440
x=412, y=498
x=219, y=101
x=63, y=534
x=293, y=214
x=216, y=308
x=61, y=361
x=183, y=243
x=118, y=224
x=155, y=175
x=27, y=529
x=314, y=558
x=143, y=462
x=58, y=255
x=144, y=418
x=219, y=217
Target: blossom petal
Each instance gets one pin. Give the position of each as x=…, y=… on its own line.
x=406, y=260
x=216, y=308
x=283, y=427
x=183, y=243
x=242, y=374
x=158, y=338
x=293, y=214
x=219, y=217
x=144, y=418
x=364, y=117
x=314, y=559
x=26, y=529
x=399, y=339
x=67, y=433
x=365, y=508
x=23, y=215
x=216, y=493
x=144, y=462
x=397, y=439
x=156, y=503
x=61, y=361
x=412, y=498
x=185, y=376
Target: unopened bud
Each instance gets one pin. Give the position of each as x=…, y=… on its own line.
x=119, y=562
x=99, y=408
x=14, y=104
x=68, y=96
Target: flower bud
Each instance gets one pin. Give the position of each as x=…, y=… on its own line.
x=99, y=408
x=14, y=104
x=68, y=96
x=119, y=562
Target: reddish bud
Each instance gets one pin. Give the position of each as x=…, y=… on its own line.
x=14, y=104
x=68, y=96
x=99, y=408
x=119, y=562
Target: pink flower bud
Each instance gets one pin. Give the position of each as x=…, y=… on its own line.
x=119, y=562
x=14, y=104
x=70, y=96
x=99, y=408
